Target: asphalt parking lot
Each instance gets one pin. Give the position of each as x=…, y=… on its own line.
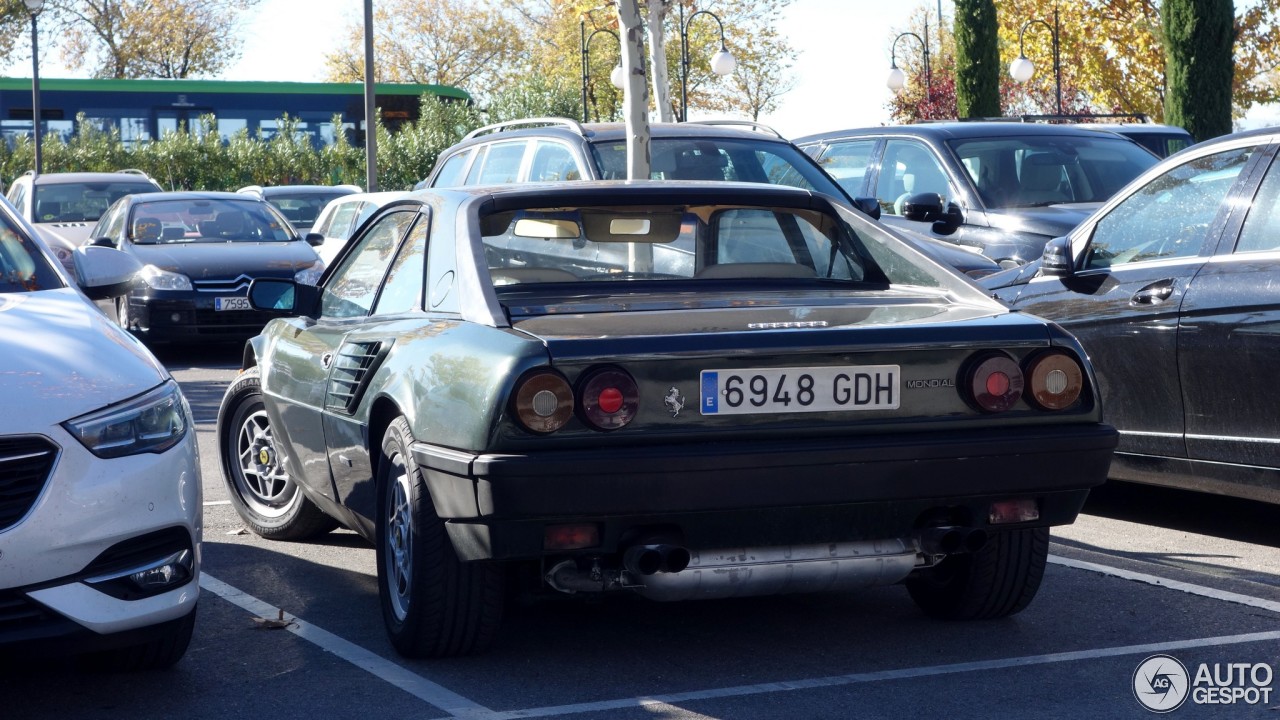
x=1146, y=572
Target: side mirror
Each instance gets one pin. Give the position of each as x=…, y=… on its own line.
x=950, y=221
x=102, y=242
x=314, y=239
x=922, y=207
x=869, y=206
x=1056, y=260
x=284, y=296
x=104, y=272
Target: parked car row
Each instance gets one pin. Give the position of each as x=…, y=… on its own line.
x=459, y=368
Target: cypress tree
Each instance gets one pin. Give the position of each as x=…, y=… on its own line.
x=977, y=59
x=1198, y=40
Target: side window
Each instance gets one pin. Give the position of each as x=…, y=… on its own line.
x=502, y=163
x=353, y=287
x=847, y=162
x=16, y=196
x=112, y=225
x=403, y=289
x=909, y=168
x=1170, y=216
x=450, y=174
x=553, y=162
x=343, y=219
x=1261, y=232
x=473, y=175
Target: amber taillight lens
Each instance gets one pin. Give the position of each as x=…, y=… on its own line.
x=543, y=401
x=608, y=398
x=994, y=383
x=1054, y=381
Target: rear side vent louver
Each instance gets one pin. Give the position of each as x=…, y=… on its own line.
x=352, y=367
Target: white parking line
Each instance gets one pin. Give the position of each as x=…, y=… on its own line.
x=458, y=706
x=376, y=665
x=1189, y=588
x=883, y=675
x=217, y=502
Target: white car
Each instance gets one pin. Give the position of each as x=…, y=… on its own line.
x=340, y=218
x=100, y=497
x=63, y=207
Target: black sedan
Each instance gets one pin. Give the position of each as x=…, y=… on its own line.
x=199, y=252
x=681, y=390
x=1174, y=290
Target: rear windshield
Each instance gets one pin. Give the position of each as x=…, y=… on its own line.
x=23, y=267
x=302, y=209
x=76, y=202
x=207, y=220
x=759, y=245
x=1031, y=171
x=774, y=163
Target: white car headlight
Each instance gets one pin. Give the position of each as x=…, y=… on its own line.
x=153, y=422
x=163, y=279
x=310, y=275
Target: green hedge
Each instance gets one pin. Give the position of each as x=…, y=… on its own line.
x=198, y=159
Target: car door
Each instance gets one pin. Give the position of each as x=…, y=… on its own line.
x=1123, y=301
x=1229, y=338
x=312, y=371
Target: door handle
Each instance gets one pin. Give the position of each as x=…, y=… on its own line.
x=1153, y=294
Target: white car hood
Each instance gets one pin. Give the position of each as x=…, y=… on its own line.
x=60, y=357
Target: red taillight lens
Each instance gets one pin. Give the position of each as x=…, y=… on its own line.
x=571, y=537
x=543, y=401
x=995, y=383
x=1054, y=381
x=1013, y=511
x=608, y=398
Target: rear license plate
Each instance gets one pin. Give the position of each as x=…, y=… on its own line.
x=747, y=391
x=231, y=303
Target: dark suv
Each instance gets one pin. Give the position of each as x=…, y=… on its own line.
x=559, y=149
x=1005, y=188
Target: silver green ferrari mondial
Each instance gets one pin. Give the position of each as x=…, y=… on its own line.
x=681, y=390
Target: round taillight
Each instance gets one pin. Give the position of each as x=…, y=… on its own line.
x=1054, y=381
x=543, y=401
x=995, y=383
x=608, y=398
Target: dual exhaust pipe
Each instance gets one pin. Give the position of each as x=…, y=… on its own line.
x=951, y=539
x=650, y=559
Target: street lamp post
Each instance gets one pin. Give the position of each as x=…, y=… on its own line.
x=1021, y=68
x=898, y=79
x=34, y=7
x=722, y=63
x=615, y=77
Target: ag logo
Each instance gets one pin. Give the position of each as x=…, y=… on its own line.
x=1160, y=683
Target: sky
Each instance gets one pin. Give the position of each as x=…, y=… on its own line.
x=841, y=69
x=843, y=61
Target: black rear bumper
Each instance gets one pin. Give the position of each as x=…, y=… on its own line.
x=764, y=493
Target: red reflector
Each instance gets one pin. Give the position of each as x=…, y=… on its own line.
x=610, y=400
x=997, y=383
x=1014, y=511
x=571, y=537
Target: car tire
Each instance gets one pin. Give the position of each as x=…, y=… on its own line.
x=433, y=604
x=162, y=651
x=997, y=581
x=262, y=493
x=122, y=313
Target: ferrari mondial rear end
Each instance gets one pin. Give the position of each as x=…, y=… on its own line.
x=701, y=390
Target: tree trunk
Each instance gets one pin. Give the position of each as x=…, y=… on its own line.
x=658, y=59
x=636, y=99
